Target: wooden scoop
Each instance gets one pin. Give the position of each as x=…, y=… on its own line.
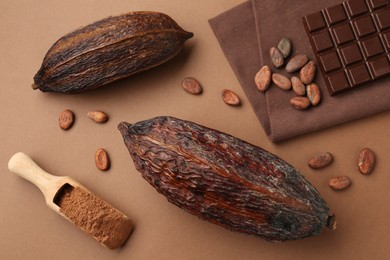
x=96, y=217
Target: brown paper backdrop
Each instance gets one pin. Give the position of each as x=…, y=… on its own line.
x=30, y=230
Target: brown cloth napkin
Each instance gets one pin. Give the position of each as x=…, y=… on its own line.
x=246, y=33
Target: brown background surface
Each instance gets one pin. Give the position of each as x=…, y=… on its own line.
x=29, y=123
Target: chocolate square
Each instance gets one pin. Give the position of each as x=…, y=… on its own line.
x=315, y=21
x=379, y=67
x=383, y=19
x=371, y=47
x=336, y=14
x=330, y=61
x=375, y=4
x=343, y=33
x=358, y=74
x=356, y=7
x=350, y=54
x=386, y=40
x=364, y=26
x=338, y=82
x=322, y=41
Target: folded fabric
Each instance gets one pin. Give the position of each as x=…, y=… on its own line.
x=247, y=32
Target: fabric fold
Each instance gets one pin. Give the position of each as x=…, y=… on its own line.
x=242, y=55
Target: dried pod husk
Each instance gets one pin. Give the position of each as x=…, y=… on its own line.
x=225, y=180
x=108, y=50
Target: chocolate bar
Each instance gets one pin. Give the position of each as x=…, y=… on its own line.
x=351, y=42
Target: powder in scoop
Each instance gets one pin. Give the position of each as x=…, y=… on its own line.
x=95, y=216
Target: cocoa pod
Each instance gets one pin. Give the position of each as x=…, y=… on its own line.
x=108, y=50
x=225, y=180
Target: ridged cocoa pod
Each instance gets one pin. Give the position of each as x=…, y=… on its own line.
x=108, y=50
x=225, y=180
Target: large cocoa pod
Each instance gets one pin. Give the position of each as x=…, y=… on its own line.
x=225, y=180
x=108, y=50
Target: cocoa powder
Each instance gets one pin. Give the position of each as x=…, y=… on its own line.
x=95, y=216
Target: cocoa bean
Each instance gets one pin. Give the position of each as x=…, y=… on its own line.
x=296, y=62
x=285, y=46
x=313, y=93
x=98, y=116
x=308, y=72
x=339, y=183
x=191, y=85
x=66, y=119
x=263, y=78
x=300, y=103
x=102, y=160
x=281, y=81
x=297, y=86
x=276, y=57
x=366, y=161
x=230, y=98
x=320, y=160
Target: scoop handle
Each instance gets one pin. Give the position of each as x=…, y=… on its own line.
x=22, y=165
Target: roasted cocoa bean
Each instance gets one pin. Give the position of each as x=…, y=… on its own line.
x=285, y=46
x=102, y=160
x=98, y=116
x=225, y=180
x=366, y=161
x=263, y=78
x=297, y=86
x=300, y=103
x=296, y=62
x=108, y=50
x=339, y=183
x=230, y=98
x=281, y=81
x=308, y=72
x=191, y=85
x=320, y=160
x=66, y=119
x=276, y=57
x=313, y=93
